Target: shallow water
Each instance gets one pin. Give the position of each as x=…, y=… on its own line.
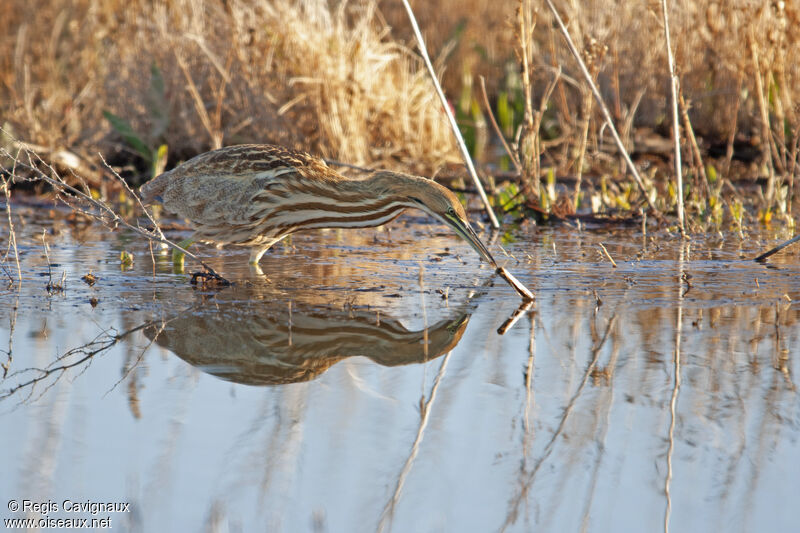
x=362, y=384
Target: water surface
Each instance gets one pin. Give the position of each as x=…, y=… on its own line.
x=361, y=383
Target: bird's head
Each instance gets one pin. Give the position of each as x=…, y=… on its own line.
x=439, y=202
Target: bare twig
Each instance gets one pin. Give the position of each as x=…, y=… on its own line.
x=765, y=125
x=539, y=115
x=61, y=157
x=608, y=255
x=527, y=296
x=528, y=476
x=528, y=144
x=459, y=139
x=216, y=135
x=105, y=213
x=515, y=316
x=103, y=342
x=10, y=352
x=606, y=114
x=734, y=121
x=676, y=366
x=689, y=131
x=136, y=197
x=587, y=113
x=497, y=129
x=761, y=258
x=425, y=413
x=51, y=287
x=12, y=241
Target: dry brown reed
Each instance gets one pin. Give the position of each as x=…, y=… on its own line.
x=305, y=74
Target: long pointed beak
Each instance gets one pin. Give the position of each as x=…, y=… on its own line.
x=466, y=232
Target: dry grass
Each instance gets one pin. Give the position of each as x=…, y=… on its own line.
x=301, y=74
x=341, y=78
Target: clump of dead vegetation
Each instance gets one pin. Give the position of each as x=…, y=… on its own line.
x=196, y=75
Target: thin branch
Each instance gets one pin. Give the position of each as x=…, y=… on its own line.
x=761, y=258
x=695, y=148
x=529, y=476
x=106, y=214
x=12, y=241
x=673, y=403
x=765, y=124
x=136, y=197
x=425, y=412
x=216, y=136
x=608, y=255
x=103, y=342
x=497, y=130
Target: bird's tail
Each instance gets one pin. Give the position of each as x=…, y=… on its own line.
x=151, y=191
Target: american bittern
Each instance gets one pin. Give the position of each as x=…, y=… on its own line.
x=255, y=195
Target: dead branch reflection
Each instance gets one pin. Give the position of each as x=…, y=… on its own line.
x=25, y=381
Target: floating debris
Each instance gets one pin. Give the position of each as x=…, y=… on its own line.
x=89, y=279
x=53, y=287
x=608, y=255
x=209, y=280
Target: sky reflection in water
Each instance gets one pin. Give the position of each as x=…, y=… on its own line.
x=356, y=397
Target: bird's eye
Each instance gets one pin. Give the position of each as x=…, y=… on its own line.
x=450, y=211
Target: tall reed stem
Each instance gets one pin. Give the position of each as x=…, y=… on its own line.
x=452, y=119
x=676, y=127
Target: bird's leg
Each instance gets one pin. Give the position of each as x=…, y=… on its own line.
x=257, y=253
x=255, y=256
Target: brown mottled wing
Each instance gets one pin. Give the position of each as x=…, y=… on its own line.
x=215, y=190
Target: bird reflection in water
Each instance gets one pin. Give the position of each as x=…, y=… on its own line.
x=274, y=344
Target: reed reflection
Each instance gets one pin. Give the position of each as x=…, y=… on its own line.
x=281, y=342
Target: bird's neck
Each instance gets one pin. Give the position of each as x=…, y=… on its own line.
x=380, y=187
x=355, y=203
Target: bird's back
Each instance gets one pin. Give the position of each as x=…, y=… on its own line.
x=225, y=193
x=241, y=163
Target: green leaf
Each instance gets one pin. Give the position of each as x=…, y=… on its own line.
x=711, y=172
x=125, y=130
x=505, y=116
x=157, y=104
